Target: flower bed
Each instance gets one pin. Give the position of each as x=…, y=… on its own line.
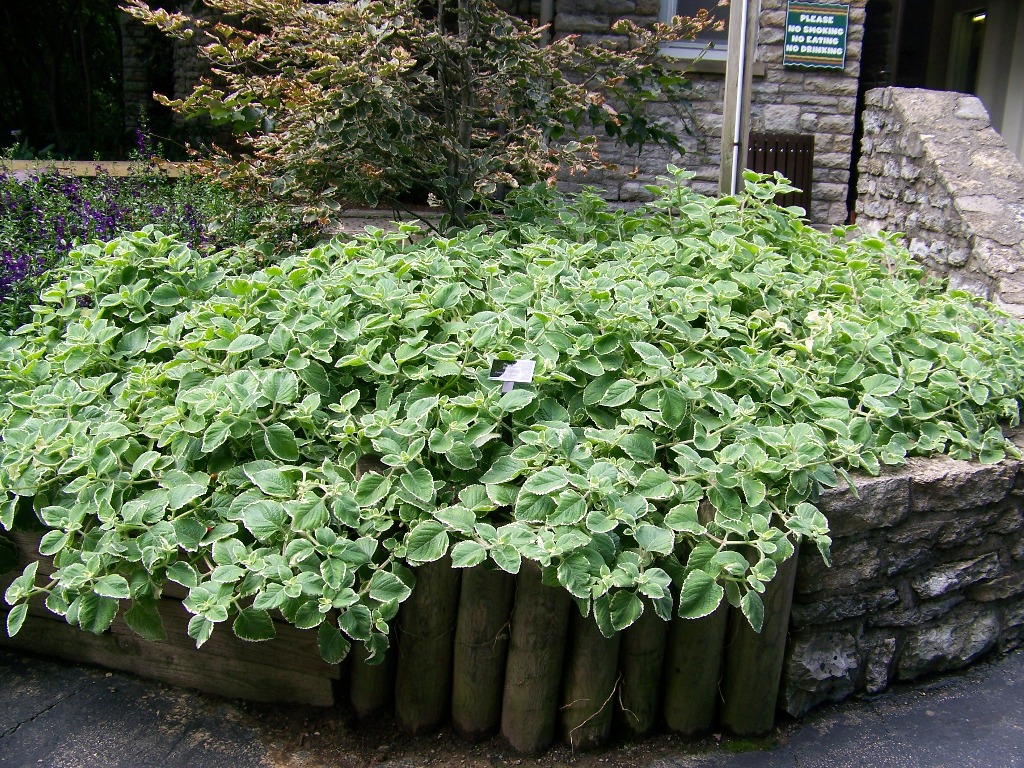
x=311, y=440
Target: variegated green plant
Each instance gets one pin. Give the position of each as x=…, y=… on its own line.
x=296, y=438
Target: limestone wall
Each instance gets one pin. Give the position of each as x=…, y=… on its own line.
x=928, y=576
x=785, y=100
x=933, y=168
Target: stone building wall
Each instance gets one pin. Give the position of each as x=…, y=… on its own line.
x=933, y=168
x=928, y=576
x=793, y=100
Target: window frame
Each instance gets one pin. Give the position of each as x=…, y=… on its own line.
x=701, y=48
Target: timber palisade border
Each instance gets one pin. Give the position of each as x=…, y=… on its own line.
x=928, y=575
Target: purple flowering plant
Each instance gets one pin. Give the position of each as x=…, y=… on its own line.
x=45, y=215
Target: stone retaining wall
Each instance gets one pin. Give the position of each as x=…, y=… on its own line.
x=933, y=168
x=928, y=576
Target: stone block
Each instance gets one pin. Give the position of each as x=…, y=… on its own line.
x=880, y=657
x=947, y=484
x=957, y=257
x=606, y=7
x=828, y=609
x=1009, y=522
x=881, y=502
x=963, y=531
x=910, y=614
x=950, y=642
x=782, y=118
x=950, y=577
x=855, y=562
x=581, y=23
x=818, y=668
x=970, y=108
x=634, y=191
x=1006, y=586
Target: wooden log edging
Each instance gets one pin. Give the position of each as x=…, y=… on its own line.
x=481, y=650
x=499, y=650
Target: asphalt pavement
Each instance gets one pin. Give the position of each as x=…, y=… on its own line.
x=65, y=716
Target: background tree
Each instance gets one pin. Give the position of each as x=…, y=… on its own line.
x=363, y=102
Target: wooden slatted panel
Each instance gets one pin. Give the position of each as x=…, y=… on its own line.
x=791, y=155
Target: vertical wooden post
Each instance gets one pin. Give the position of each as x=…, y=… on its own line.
x=372, y=686
x=533, y=675
x=743, y=26
x=481, y=650
x=590, y=677
x=693, y=665
x=425, y=645
x=641, y=659
x=753, y=663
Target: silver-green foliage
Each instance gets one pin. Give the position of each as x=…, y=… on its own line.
x=296, y=438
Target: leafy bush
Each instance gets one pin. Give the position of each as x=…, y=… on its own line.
x=46, y=215
x=298, y=437
x=336, y=103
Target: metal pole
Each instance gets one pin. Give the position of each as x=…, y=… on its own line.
x=743, y=27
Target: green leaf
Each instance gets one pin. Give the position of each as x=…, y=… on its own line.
x=700, y=595
x=180, y=495
x=165, y=295
x=655, y=483
x=271, y=481
x=199, y=629
x=281, y=386
x=215, y=436
x=334, y=646
x=466, y=554
x=96, y=613
x=254, y=625
x=506, y=557
x=753, y=609
x=244, y=343
x=183, y=573
x=651, y=538
x=638, y=447
x=280, y=441
x=144, y=619
x=371, y=488
x=264, y=519
x=21, y=587
x=832, y=408
x=503, y=470
x=419, y=483
x=673, y=407
x=625, y=609
x=112, y=585
x=753, y=490
x=385, y=587
x=308, y=615
x=571, y=508
x=310, y=517
x=547, y=481
x=651, y=355
x=16, y=618
x=880, y=384
x=189, y=532
x=516, y=400
x=427, y=542
x=51, y=543
x=357, y=622
x=618, y=393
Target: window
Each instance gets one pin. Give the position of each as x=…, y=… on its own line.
x=711, y=44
